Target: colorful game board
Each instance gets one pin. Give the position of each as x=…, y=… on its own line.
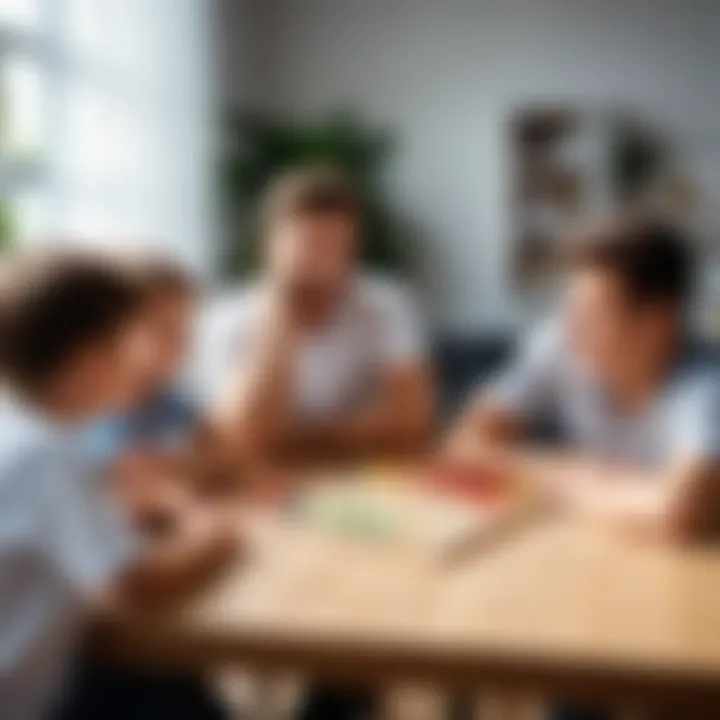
x=443, y=508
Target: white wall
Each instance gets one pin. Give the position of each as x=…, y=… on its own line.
x=445, y=73
x=233, y=57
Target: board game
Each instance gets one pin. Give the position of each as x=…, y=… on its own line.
x=443, y=508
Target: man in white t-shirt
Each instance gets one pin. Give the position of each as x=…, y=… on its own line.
x=318, y=359
x=636, y=399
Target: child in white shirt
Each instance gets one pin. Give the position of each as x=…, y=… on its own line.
x=70, y=350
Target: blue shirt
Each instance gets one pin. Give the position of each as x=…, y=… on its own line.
x=164, y=421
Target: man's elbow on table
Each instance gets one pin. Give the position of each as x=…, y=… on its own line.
x=692, y=506
x=414, y=413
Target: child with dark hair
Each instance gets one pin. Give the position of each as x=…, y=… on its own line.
x=161, y=444
x=73, y=344
x=160, y=414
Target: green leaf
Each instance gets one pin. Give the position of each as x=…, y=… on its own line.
x=7, y=225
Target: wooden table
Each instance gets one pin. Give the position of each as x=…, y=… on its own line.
x=557, y=608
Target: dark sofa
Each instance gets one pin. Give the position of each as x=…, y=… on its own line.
x=462, y=363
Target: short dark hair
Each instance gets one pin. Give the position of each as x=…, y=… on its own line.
x=55, y=303
x=652, y=257
x=310, y=190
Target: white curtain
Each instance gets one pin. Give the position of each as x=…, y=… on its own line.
x=127, y=151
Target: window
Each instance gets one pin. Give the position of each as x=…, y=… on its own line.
x=104, y=122
x=22, y=99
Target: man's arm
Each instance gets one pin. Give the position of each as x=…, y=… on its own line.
x=492, y=433
x=250, y=410
x=679, y=502
x=397, y=416
x=483, y=424
x=676, y=502
x=397, y=419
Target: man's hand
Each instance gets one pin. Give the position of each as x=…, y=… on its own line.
x=397, y=420
x=252, y=409
x=679, y=502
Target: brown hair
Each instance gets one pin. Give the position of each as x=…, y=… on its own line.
x=159, y=276
x=652, y=257
x=311, y=190
x=52, y=305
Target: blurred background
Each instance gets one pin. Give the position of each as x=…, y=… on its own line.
x=478, y=130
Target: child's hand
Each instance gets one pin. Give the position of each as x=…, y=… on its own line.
x=214, y=528
x=148, y=483
x=137, y=465
x=160, y=511
x=200, y=542
x=135, y=472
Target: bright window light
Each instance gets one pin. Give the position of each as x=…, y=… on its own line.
x=20, y=14
x=21, y=111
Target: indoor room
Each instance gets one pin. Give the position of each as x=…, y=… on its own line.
x=359, y=359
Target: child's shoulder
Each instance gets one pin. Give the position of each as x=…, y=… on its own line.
x=23, y=430
x=30, y=448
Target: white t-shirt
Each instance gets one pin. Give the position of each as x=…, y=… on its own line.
x=61, y=538
x=376, y=327
x=547, y=381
